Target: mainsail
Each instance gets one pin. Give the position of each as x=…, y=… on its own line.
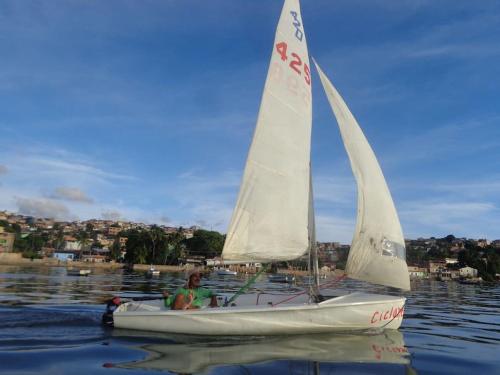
x=377, y=252
x=270, y=219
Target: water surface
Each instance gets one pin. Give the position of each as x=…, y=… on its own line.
x=50, y=324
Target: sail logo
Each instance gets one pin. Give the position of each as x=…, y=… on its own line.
x=393, y=313
x=299, y=34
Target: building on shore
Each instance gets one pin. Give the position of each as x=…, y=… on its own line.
x=65, y=256
x=468, y=272
x=418, y=272
x=6, y=241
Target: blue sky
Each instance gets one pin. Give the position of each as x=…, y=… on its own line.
x=144, y=110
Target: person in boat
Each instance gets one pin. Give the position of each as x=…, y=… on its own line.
x=111, y=306
x=168, y=299
x=192, y=295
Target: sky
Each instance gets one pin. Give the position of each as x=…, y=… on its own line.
x=144, y=110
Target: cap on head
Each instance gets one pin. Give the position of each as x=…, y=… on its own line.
x=192, y=272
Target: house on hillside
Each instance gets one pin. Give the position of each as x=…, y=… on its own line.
x=468, y=272
x=71, y=244
x=451, y=261
x=483, y=243
x=417, y=272
x=65, y=256
x=435, y=266
x=96, y=255
x=6, y=241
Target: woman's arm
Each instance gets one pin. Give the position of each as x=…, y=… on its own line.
x=182, y=303
x=213, y=301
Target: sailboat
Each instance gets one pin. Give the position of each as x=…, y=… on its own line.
x=152, y=271
x=273, y=219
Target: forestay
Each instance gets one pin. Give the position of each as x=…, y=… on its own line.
x=377, y=252
x=270, y=220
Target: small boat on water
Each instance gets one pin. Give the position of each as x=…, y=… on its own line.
x=281, y=278
x=77, y=272
x=225, y=272
x=273, y=316
x=152, y=272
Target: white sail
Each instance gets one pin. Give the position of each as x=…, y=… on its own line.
x=377, y=252
x=270, y=220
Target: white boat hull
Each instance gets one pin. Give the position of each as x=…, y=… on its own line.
x=77, y=272
x=356, y=311
x=226, y=272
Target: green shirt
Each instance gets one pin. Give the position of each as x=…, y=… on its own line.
x=199, y=295
x=169, y=300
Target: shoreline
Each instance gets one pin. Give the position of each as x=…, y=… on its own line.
x=16, y=259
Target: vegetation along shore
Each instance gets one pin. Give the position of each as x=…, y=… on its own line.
x=115, y=244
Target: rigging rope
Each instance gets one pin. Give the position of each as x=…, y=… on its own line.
x=244, y=288
x=329, y=283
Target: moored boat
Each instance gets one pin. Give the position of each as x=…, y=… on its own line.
x=225, y=272
x=281, y=278
x=78, y=272
x=152, y=272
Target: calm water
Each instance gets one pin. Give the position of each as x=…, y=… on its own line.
x=50, y=324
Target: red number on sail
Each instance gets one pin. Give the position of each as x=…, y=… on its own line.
x=281, y=48
x=307, y=74
x=296, y=63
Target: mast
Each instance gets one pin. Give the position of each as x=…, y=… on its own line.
x=313, y=249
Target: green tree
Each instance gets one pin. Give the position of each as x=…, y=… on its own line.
x=16, y=228
x=493, y=267
x=116, y=249
x=449, y=238
x=59, y=239
x=158, y=244
x=205, y=243
x=85, y=241
x=30, y=246
x=138, y=245
x=176, y=248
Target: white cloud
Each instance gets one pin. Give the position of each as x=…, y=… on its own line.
x=336, y=190
x=448, y=141
x=43, y=208
x=439, y=218
x=71, y=194
x=332, y=228
x=202, y=199
x=61, y=168
x=165, y=220
x=475, y=189
x=111, y=215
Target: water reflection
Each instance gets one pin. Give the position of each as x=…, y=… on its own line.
x=386, y=347
x=448, y=328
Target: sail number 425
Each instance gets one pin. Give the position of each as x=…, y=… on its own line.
x=295, y=63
